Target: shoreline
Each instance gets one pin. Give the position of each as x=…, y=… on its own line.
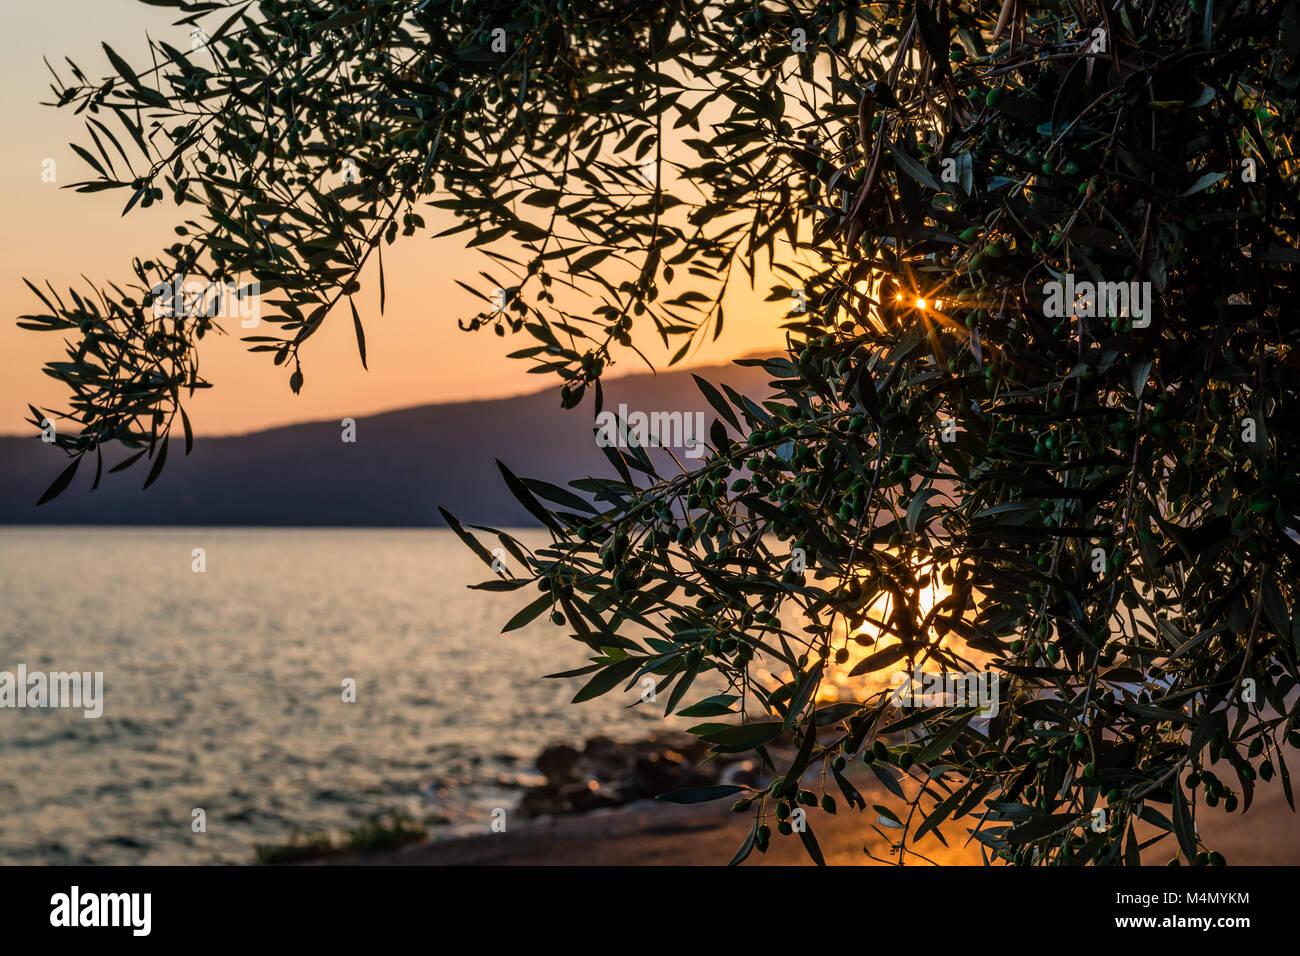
x=650, y=833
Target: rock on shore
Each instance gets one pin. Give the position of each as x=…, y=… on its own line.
x=605, y=773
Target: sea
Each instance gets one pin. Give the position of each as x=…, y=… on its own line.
x=282, y=681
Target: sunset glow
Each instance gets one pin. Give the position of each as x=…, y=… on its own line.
x=838, y=685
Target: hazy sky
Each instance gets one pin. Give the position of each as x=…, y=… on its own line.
x=415, y=351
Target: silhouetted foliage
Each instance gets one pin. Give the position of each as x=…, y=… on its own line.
x=1103, y=504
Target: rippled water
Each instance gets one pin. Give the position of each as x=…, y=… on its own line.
x=223, y=689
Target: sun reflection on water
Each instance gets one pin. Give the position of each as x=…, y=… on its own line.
x=837, y=684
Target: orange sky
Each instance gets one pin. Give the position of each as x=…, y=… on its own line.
x=415, y=351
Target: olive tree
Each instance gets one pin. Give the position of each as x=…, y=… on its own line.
x=1031, y=427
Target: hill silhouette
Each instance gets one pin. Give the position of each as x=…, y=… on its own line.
x=402, y=466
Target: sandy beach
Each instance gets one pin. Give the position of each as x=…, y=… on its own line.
x=659, y=834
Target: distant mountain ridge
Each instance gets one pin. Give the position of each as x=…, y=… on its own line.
x=402, y=466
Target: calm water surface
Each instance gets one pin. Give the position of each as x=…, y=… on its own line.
x=222, y=690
